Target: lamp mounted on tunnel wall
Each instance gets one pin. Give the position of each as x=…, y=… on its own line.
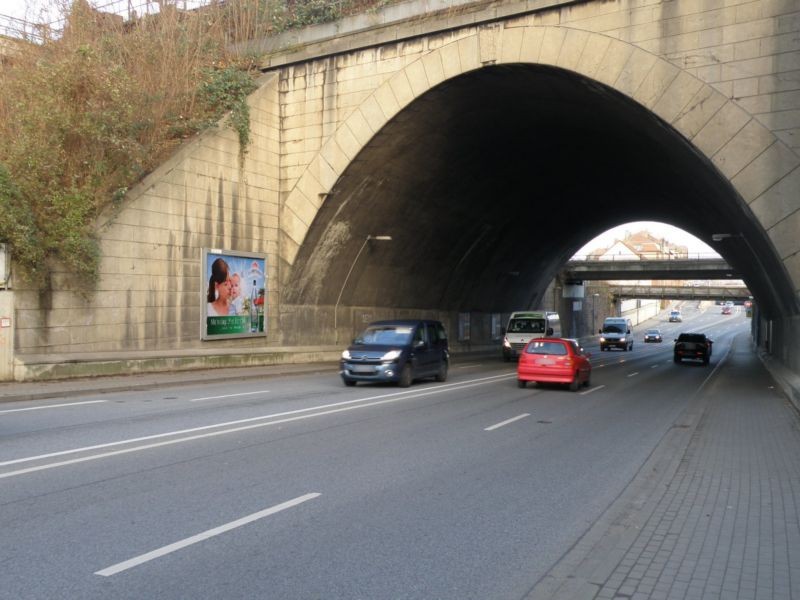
x=718, y=237
x=369, y=238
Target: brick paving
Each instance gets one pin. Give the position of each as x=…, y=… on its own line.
x=717, y=513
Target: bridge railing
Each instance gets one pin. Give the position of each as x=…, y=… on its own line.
x=645, y=256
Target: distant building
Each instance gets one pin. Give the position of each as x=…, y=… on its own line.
x=641, y=245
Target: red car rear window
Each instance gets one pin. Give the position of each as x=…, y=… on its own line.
x=553, y=348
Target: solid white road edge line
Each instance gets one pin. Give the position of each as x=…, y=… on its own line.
x=426, y=392
x=143, y=558
x=498, y=425
x=419, y=392
x=12, y=410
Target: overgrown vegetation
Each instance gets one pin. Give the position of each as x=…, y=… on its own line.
x=85, y=115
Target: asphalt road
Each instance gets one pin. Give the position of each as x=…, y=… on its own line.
x=298, y=487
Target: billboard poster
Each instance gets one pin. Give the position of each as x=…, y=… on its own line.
x=234, y=303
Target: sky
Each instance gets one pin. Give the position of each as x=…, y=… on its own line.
x=670, y=233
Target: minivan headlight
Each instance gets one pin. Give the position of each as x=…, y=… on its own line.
x=602, y=338
x=391, y=355
x=346, y=355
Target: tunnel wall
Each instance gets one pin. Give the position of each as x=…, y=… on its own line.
x=763, y=169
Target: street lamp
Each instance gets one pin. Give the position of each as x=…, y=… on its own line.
x=377, y=238
x=594, y=300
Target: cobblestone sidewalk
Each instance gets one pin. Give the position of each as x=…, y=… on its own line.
x=714, y=514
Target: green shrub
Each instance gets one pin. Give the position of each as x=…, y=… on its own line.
x=226, y=90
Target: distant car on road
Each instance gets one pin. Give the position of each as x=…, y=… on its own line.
x=653, y=335
x=675, y=316
x=727, y=310
x=694, y=346
x=616, y=333
x=554, y=360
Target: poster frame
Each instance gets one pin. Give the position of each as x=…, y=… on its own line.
x=231, y=256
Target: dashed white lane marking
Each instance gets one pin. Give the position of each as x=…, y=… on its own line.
x=502, y=423
x=654, y=366
x=243, y=425
x=143, y=558
x=229, y=396
x=12, y=410
x=634, y=374
x=591, y=390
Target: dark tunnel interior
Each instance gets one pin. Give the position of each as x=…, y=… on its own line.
x=489, y=182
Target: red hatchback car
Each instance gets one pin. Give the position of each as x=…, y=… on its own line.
x=554, y=360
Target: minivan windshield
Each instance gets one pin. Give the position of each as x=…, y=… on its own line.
x=613, y=329
x=526, y=326
x=386, y=334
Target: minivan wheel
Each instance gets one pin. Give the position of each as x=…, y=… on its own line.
x=405, y=377
x=349, y=383
x=442, y=374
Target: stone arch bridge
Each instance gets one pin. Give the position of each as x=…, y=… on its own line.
x=489, y=140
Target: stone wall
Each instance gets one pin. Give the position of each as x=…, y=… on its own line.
x=151, y=289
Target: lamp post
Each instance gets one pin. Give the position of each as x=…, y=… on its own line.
x=594, y=301
x=379, y=238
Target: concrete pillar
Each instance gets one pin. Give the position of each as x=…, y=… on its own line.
x=6, y=335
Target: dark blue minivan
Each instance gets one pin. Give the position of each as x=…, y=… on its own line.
x=397, y=351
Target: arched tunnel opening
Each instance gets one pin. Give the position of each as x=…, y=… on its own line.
x=488, y=183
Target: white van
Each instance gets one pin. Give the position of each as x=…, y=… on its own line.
x=616, y=333
x=523, y=326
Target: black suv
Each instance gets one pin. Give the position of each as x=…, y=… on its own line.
x=397, y=351
x=694, y=346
